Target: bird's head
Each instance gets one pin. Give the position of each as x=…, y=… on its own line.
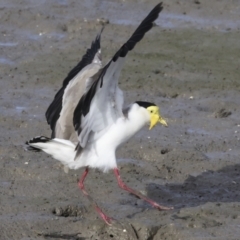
x=154, y=113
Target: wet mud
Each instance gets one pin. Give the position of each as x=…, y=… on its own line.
x=188, y=64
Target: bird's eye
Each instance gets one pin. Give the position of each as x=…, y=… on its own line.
x=151, y=111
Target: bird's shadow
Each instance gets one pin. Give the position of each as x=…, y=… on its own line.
x=210, y=186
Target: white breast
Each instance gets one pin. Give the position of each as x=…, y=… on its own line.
x=101, y=152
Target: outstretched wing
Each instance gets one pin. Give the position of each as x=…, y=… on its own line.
x=102, y=104
x=53, y=111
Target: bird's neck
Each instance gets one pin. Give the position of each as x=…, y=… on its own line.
x=134, y=121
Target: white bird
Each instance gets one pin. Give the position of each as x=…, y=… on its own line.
x=87, y=117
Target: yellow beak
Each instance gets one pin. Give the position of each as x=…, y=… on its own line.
x=155, y=119
x=163, y=121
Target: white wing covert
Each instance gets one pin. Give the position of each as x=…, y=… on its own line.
x=106, y=105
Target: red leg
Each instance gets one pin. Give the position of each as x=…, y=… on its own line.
x=106, y=219
x=138, y=194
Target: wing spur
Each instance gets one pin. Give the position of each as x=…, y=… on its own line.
x=53, y=111
x=102, y=104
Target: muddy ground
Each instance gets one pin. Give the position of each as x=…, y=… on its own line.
x=188, y=64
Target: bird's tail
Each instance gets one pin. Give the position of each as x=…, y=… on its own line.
x=60, y=149
x=39, y=139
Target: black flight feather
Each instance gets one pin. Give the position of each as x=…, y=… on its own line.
x=78, y=150
x=83, y=106
x=53, y=111
x=139, y=33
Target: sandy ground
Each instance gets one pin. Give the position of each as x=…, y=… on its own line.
x=189, y=64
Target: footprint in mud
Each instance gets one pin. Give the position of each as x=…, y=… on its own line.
x=69, y=211
x=222, y=113
x=117, y=229
x=62, y=236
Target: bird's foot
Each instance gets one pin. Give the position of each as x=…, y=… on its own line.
x=108, y=220
x=160, y=207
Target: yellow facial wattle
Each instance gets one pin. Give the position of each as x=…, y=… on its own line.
x=155, y=117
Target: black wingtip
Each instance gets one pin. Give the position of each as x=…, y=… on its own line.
x=86, y=59
x=139, y=33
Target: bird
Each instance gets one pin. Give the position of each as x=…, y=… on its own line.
x=88, y=119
